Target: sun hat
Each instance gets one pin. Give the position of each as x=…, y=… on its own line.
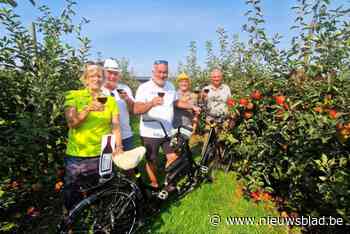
x=183, y=76
x=111, y=65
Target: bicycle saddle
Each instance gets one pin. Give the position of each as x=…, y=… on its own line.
x=130, y=159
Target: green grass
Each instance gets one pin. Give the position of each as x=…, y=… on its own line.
x=223, y=197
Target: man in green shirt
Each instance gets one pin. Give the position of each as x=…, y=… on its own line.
x=88, y=120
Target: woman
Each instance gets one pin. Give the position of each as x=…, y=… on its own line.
x=88, y=120
x=186, y=117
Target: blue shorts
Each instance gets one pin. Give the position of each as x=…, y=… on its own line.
x=128, y=143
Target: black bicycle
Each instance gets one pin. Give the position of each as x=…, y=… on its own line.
x=120, y=204
x=218, y=154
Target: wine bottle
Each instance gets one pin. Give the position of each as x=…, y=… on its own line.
x=108, y=149
x=105, y=167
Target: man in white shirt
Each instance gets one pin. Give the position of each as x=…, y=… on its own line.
x=124, y=98
x=155, y=99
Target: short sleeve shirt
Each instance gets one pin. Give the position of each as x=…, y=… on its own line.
x=217, y=98
x=85, y=140
x=164, y=113
x=184, y=117
x=124, y=116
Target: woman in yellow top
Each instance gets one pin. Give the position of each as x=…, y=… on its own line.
x=88, y=120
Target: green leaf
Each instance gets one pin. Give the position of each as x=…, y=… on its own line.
x=324, y=158
x=6, y=226
x=11, y=2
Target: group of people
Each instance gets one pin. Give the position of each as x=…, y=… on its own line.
x=89, y=119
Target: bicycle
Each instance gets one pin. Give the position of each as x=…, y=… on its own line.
x=90, y=216
x=120, y=205
x=214, y=149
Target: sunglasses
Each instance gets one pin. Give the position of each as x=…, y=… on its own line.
x=157, y=62
x=90, y=62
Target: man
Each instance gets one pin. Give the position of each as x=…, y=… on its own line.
x=216, y=94
x=124, y=98
x=156, y=99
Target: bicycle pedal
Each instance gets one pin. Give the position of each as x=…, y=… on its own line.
x=204, y=169
x=210, y=179
x=171, y=188
x=163, y=195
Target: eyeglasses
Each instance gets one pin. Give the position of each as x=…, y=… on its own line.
x=157, y=62
x=91, y=63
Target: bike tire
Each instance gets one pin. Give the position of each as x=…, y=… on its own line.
x=210, y=158
x=110, y=211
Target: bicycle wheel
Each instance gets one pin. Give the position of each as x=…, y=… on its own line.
x=111, y=211
x=210, y=157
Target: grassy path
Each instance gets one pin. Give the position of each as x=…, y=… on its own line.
x=224, y=198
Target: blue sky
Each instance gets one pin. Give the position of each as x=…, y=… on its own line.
x=143, y=31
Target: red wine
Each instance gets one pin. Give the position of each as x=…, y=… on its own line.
x=102, y=100
x=108, y=149
x=161, y=94
x=120, y=90
x=206, y=90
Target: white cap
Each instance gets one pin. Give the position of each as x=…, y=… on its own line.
x=111, y=65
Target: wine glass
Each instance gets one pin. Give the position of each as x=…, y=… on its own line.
x=197, y=90
x=102, y=98
x=161, y=94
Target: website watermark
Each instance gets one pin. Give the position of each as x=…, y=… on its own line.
x=216, y=220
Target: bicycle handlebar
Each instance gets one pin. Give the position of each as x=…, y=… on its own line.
x=147, y=119
x=157, y=121
x=220, y=118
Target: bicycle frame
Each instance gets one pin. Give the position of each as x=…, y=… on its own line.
x=146, y=198
x=185, y=153
x=213, y=149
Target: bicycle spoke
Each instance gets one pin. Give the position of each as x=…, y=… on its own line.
x=111, y=212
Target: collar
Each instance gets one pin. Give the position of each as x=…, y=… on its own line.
x=184, y=93
x=86, y=93
x=218, y=88
x=155, y=84
x=108, y=92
